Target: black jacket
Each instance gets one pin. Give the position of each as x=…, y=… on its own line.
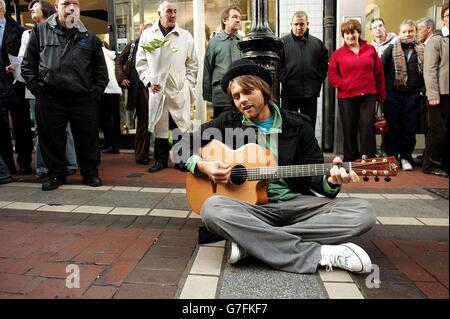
x=12, y=37
x=296, y=145
x=135, y=82
x=65, y=64
x=415, y=82
x=303, y=67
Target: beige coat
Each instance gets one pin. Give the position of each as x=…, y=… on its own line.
x=174, y=67
x=436, y=67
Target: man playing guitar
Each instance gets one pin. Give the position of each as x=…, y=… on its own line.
x=295, y=231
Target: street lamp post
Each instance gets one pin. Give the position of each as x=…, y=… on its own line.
x=262, y=45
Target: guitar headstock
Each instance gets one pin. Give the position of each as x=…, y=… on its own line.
x=377, y=167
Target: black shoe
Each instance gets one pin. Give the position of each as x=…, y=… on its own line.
x=41, y=175
x=92, y=180
x=143, y=162
x=157, y=167
x=25, y=170
x=111, y=150
x=104, y=147
x=71, y=171
x=436, y=171
x=181, y=167
x=53, y=183
x=6, y=180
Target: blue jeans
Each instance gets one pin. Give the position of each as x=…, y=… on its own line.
x=4, y=171
x=71, y=157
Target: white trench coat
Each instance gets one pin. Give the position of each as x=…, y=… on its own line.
x=174, y=67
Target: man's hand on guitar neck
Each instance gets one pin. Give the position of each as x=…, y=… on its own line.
x=218, y=172
x=339, y=176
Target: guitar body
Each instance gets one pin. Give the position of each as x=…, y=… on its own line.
x=198, y=189
x=253, y=165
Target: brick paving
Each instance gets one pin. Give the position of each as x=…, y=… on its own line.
x=126, y=257
x=139, y=258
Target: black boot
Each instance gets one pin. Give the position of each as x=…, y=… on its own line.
x=53, y=182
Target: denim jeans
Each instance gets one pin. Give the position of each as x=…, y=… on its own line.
x=71, y=158
x=4, y=171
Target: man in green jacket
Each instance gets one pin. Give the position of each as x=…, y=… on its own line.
x=221, y=51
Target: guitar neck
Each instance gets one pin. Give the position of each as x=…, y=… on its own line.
x=289, y=171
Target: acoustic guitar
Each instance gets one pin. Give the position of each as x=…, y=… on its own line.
x=253, y=166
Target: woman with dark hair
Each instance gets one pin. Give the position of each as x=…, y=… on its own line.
x=40, y=10
x=46, y=7
x=356, y=71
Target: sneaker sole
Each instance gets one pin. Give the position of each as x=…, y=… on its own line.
x=361, y=254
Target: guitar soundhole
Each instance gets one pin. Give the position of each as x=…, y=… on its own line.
x=238, y=175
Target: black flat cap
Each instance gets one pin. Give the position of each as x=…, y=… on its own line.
x=244, y=67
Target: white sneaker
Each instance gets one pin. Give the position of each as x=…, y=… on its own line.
x=236, y=253
x=347, y=256
x=406, y=166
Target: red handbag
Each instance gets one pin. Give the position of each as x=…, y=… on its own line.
x=381, y=125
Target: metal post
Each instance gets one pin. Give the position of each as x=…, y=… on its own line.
x=262, y=45
x=329, y=28
x=111, y=25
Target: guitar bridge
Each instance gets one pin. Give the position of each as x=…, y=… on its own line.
x=214, y=187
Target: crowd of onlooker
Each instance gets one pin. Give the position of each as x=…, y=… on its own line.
x=65, y=81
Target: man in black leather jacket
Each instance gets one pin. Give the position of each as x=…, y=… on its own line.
x=65, y=69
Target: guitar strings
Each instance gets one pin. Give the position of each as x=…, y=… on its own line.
x=307, y=168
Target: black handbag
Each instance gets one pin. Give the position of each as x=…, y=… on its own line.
x=130, y=60
x=381, y=125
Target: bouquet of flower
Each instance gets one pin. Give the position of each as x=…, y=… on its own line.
x=154, y=44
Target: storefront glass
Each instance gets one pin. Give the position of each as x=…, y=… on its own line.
x=130, y=14
x=394, y=12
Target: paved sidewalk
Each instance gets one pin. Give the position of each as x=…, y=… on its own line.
x=136, y=237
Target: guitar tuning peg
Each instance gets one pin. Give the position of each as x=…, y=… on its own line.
x=364, y=157
x=365, y=178
x=387, y=179
x=377, y=179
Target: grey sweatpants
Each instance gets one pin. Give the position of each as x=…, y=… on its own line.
x=288, y=235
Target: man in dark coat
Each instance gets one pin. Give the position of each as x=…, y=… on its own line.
x=137, y=99
x=303, y=68
x=12, y=99
x=65, y=69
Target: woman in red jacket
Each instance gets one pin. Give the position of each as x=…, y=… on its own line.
x=357, y=72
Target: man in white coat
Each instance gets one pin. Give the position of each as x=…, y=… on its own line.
x=170, y=73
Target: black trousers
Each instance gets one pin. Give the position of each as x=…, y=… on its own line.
x=53, y=112
x=162, y=146
x=436, y=142
x=19, y=109
x=402, y=111
x=110, y=119
x=6, y=148
x=307, y=106
x=142, y=138
x=357, y=116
